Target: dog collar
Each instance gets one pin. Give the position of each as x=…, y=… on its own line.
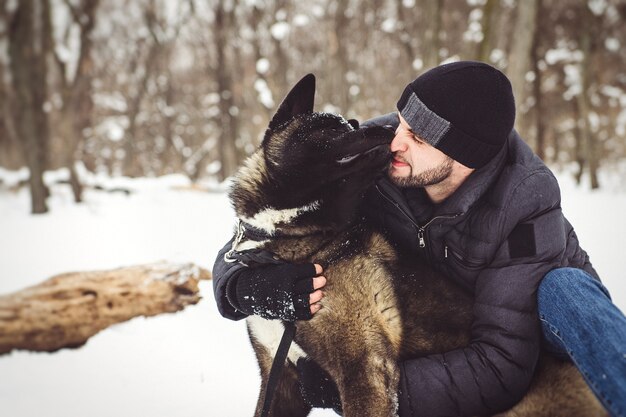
x=256, y=234
x=247, y=231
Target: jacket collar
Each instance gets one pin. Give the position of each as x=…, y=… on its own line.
x=476, y=185
x=464, y=197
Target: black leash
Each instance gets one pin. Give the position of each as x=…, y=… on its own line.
x=277, y=366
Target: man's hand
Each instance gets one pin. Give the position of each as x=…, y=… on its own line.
x=316, y=296
x=287, y=292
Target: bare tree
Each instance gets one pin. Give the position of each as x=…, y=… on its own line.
x=338, y=55
x=538, y=114
x=143, y=71
x=485, y=46
x=280, y=56
x=432, y=42
x=587, y=145
x=159, y=90
x=404, y=34
x=10, y=155
x=75, y=89
x=520, y=53
x=224, y=21
x=29, y=44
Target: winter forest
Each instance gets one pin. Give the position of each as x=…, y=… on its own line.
x=154, y=87
x=122, y=121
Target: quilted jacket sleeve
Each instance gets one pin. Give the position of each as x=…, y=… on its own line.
x=390, y=119
x=222, y=272
x=494, y=371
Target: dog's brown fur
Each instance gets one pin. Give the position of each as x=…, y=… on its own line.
x=377, y=308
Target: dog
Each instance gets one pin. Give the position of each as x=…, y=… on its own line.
x=302, y=188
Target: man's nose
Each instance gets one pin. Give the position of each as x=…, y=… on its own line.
x=398, y=144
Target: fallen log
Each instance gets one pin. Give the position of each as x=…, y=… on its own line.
x=66, y=310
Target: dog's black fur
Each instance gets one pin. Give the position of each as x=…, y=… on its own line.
x=305, y=185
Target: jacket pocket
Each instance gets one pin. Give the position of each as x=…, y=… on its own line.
x=451, y=254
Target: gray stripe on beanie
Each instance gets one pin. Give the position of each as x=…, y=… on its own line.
x=425, y=123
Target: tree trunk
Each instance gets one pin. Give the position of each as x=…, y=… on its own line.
x=403, y=32
x=29, y=38
x=256, y=16
x=228, y=151
x=520, y=55
x=132, y=165
x=431, y=43
x=590, y=153
x=67, y=309
x=485, y=47
x=579, y=147
x=10, y=155
x=540, y=125
x=77, y=102
x=77, y=186
x=337, y=63
x=280, y=61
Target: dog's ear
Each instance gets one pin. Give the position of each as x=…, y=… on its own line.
x=298, y=101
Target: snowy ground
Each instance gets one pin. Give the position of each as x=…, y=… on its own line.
x=193, y=363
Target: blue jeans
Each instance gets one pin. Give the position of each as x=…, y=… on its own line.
x=580, y=322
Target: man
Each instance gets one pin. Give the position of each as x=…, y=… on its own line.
x=465, y=193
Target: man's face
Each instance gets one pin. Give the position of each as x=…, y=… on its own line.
x=416, y=163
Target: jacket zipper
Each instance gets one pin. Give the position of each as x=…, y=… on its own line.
x=420, y=229
x=468, y=262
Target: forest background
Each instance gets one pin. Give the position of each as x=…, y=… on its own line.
x=153, y=87
x=154, y=100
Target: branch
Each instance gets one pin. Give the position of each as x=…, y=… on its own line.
x=73, y=11
x=67, y=309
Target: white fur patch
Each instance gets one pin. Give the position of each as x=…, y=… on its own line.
x=250, y=244
x=268, y=218
x=269, y=332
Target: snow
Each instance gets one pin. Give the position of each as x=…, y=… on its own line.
x=597, y=6
x=265, y=94
x=193, y=362
x=417, y=64
x=301, y=20
x=66, y=37
x=564, y=54
x=113, y=127
x=573, y=81
x=612, y=44
x=262, y=65
x=280, y=30
x=388, y=25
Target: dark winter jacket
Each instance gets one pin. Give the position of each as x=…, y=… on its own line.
x=496, y=236
x=222, y=272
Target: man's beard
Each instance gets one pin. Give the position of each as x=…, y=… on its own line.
x=431, y=177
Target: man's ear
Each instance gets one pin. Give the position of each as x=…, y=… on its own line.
x=298, y=101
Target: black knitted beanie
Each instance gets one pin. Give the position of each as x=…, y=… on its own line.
x=465, y=109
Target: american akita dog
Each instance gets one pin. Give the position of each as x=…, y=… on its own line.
x=303, y=187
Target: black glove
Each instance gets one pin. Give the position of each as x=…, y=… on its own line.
x=273, y=291
x=317, y=387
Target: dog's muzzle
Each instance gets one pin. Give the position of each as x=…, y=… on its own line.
x=349, y=158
